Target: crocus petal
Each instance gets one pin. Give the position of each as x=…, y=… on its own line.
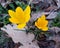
x=37, y=25
x=27, y=10
x=11, y=13
x=27, y=18
x=19, y=12
x=21, y=26
x=43, y=23
x=27, y=13
x=13, y=20
x=40, y=22
x=43, y=17
x=44, y=28
x=46, y=23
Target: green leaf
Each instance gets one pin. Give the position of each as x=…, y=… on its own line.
x=12, y=6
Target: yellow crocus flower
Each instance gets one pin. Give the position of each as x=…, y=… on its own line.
x=20, y=16
x=42, y=23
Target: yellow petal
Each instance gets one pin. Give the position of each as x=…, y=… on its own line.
x=11, y=13
x=43, y=17
x=44, y=28
x=27, y=10
x=27, y=18
x=19, y=12
x=37, y=25
x=45, y=22
x=40, y=22
x=21, y=26
x=13, y=20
